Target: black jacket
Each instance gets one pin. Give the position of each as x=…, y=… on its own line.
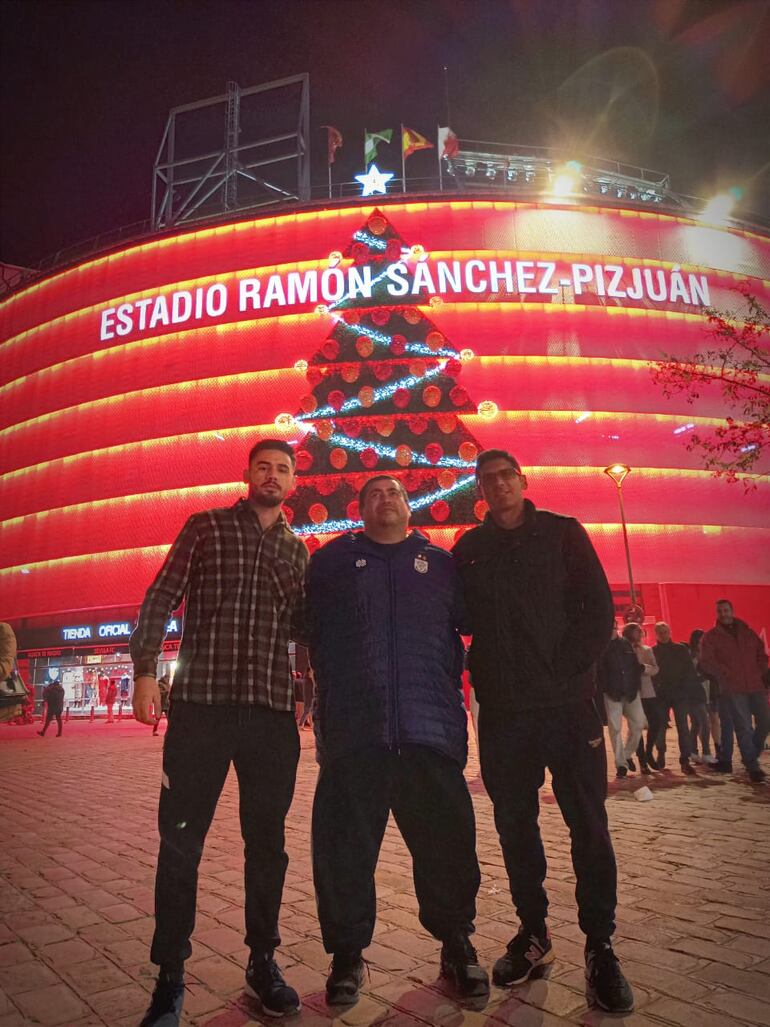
x=619, y=673
x=53, y=696
x=677, y=680
x=540, y=609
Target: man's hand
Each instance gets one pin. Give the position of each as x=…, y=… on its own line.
x=146, y=700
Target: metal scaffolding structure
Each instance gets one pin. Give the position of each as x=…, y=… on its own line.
x=266, y=132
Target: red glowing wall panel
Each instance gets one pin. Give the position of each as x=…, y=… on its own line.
x=107, y=445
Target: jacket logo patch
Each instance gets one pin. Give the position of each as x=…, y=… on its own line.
x=361, y=563
x=421, y=563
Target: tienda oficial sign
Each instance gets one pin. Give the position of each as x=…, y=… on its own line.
x=468, y=279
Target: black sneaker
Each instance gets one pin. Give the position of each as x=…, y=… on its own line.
x=460, y=964
x=757, y=776
x=621, y=772
x=721, y=767
x=264, y=982
x=345, y=979
x=606, y=986
x=524, y=953
x=166, y=1006
x=631, y=765
x=687, y=768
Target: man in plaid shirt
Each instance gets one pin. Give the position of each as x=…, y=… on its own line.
x=240, y=571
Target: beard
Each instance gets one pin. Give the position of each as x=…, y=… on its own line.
x=268, y=499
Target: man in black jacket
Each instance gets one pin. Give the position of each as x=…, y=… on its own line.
x=619, y=677
x=53, y=697
x=541, y=614
x=677, y=686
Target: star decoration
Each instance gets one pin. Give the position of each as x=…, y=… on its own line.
x=374, y=181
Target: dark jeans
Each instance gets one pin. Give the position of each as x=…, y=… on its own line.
x=515, y=749
x=681, y=708
x=656, y=713
x=699, y=729
x=200, y=744
x=751, y=735
x=52, y=715
x=726, y=730
x=433, y=810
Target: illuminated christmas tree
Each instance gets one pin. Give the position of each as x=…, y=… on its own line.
x=384, y=398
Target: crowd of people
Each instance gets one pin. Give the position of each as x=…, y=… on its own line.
x=383, y=614
x=715, y=687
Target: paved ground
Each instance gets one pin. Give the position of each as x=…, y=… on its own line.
x=78, y=851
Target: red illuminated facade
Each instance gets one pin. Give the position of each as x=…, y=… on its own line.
x=134, y=384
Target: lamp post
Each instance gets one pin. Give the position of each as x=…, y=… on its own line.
x=618, y=473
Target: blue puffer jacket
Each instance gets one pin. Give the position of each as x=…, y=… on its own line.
x=385, y=647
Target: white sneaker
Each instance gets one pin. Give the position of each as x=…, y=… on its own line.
x=696, y=758
x=710, y=759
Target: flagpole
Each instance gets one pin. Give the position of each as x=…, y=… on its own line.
x=366, y=167
x=330, y=181
x=446, y=94
x=403, y=161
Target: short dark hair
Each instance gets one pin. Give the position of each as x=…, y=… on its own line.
x=496, y=454
x=630, y=628
x=381, y=477
x=284, y=447
x=724, y=601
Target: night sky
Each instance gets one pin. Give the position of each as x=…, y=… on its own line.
x=677, y=85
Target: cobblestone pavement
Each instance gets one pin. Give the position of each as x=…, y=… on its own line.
x=78, y=852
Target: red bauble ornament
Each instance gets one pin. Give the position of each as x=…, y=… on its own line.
x=403, y=455
x=480, y=509
x=366, y=396
x=376, y=224
x=434, y=340
x=350, y=373
x=411, y=481
x=458, y=396
x=364, y=346
x=369, y=458
x=412, y=315
x=288, y=513
x=431, y=395
x=468, y=451
x=401, y=398
x=325, y=486
x=434, y=452
x=398, y=345
x=417, y=368
x=393, y=250
x=336, y=398
x=353, y=427
x=453, y=367
x=385, y=426
x=380, y=316
x=352, y=510
x=338, y=458
x=446, y=423
x=446, y=478
x=312, y=543
x=314, y=376
x=308, y=403
x=318, y=513
x=351, y=317
x=417, y=424
x=439, y=510
x=382, y=371
x=331, y=349
x=359, y=252
x=324, y=429
x=304, y=460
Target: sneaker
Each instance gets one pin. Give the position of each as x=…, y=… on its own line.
x=606, y=986
x=621, y=772
x=687, y=769
x=644, y=767
x=264, y=982
x=631, y=765
x=166, y=1006
x=42, y=734
x=345, y=979
x=757, y=776
x=524, y=953
x=709, y=759
x=460, y=964
x=721, y=767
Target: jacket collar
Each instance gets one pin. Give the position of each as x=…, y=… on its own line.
x=530, y=517
x=414, y=539
x=245, y=510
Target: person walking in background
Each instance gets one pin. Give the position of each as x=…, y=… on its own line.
x=110, y=698
x=392, y=735
x=700, y=726
x=541, y=615
x=619, y=677
x=164, y=687
x=735, y=655
x=53, y=697
x=677, y=686
x=241, y=573
x=634, y=634
x=308, y=695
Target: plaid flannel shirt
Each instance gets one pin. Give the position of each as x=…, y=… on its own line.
x=241, y=586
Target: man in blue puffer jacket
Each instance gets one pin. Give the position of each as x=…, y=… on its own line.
x=385, y=614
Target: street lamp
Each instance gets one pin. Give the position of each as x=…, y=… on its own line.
x=618, y=473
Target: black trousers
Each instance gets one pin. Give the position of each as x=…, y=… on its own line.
x=52, y=715
x=515, y=749
x=656, y=713
x=200, y=744
x=433, y=810
x=681, y=708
